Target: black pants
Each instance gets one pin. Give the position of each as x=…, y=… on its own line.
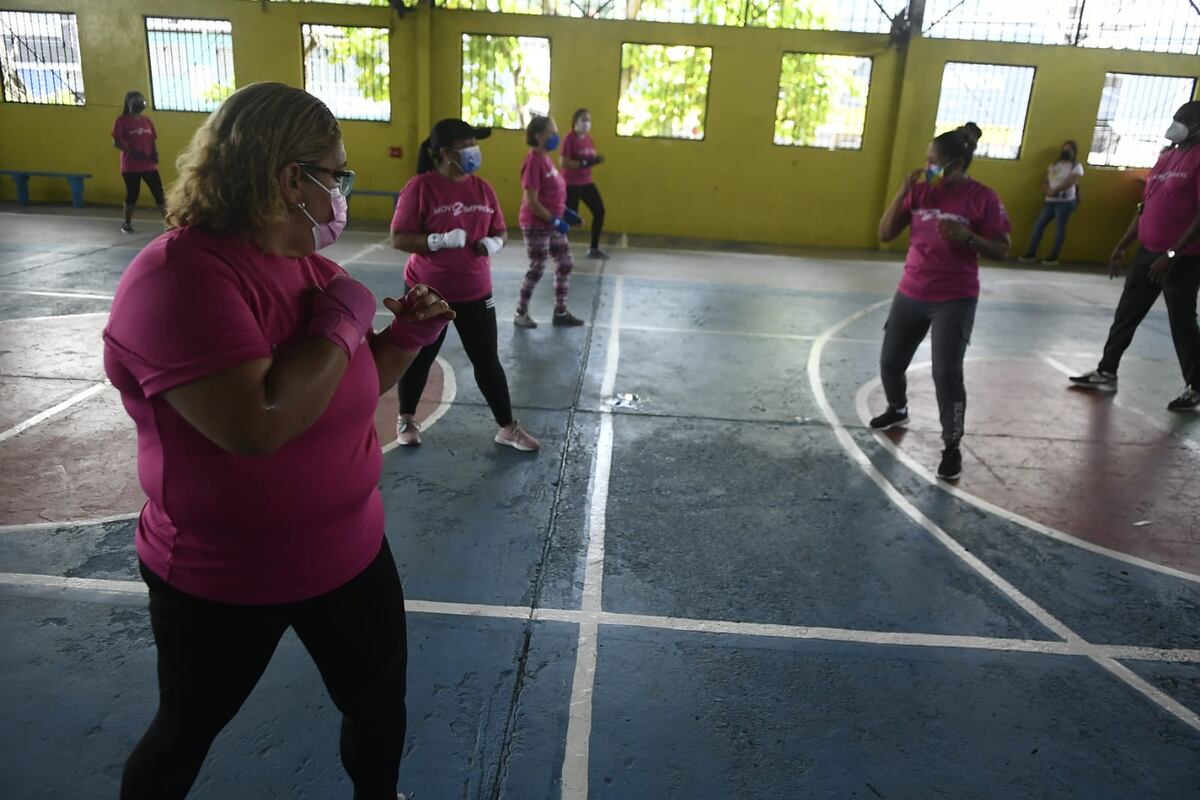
x=476, y=326
x=907, y=325
x=1138, y=297
x=133, y=187
x=211, y=655
x=590, y=195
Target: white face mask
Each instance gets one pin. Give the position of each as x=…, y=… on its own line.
x=1178, y=132
x=582, y=127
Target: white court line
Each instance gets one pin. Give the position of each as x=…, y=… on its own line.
x=55, y=316
x=1048, y=620
x=79, y=397
x=105, y=590
x=1190, y=444
x=25, y=527
x=53, y=293
x=579, y=723
x=449, y=392
x=364, y=252
x=864, y=414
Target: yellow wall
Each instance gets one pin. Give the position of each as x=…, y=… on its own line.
x=734, y=185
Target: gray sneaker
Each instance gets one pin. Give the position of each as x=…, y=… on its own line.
x=1096, y=379
x=524, y=321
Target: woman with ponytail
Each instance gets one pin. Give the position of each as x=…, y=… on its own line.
x=450, y=221
x=954, y=220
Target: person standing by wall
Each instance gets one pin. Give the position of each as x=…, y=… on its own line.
x=545, y=220
x=578, y=158
x=954, y=220
x=134, y=135
x=1168, y=262
x=1062, y=198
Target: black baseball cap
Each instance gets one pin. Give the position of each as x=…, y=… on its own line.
x=449, y=131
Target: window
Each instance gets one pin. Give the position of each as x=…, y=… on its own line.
x=1135, y=111
x=341, y=2
x=863, y=16
x=993, y=96
x=1165, y=26
x=191, y=63
x=822, y=100
x=348, y=69
x=664, y=90
x=505, y=79
x=40, y=58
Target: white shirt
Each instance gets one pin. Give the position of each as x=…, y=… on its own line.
x=1058, y=172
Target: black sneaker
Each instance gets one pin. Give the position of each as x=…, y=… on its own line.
x=566, y=318
x=951, y=467
x=1097, y=379
x=890, y=419
x=126, y=228
x=597, y=255
x=1188, y=401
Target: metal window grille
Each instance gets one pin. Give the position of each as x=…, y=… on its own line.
x=822, y=101
x=505, y=79
x=347, y=67
x=1165, y=26
x=339, y=2
x=993, y=96
x=191, y=62
x=664, y=91
x=1135, y=111
x=39, y=58
x=863, y=16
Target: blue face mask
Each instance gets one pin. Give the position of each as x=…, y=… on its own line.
x=934, y=173
x=552, y=142
x=470, y=159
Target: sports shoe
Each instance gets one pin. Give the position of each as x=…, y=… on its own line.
x=597, y=255
x=1096, y=379
x=1049, y=262
x=126, y=228
x=1188, y=401
x=567, y=319
x=524, y=321
x=408, y=431
x=951, y=467
x=1028, y=259
x=890, y=419
x=516, y=437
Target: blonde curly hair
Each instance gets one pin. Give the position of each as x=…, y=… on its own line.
x=228, y=173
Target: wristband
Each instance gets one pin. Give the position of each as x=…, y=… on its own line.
x=413, y=336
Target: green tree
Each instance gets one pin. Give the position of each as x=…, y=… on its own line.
x=365, y=48
x=505, y=80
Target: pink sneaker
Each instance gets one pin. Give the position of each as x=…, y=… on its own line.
x=517, y=437
x=408, y=431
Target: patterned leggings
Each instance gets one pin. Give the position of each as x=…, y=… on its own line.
x=540, y=244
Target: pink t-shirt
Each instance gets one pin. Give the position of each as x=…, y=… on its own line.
x=240, y=529
x=433, y=203
x=539, y=173
x=138, y=133
x=1172, y=200
x=578, y=147
x=936, y=269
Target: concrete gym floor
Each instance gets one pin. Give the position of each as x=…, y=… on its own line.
x=724, y=588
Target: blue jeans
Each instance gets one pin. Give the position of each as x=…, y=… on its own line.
x=1060, y=213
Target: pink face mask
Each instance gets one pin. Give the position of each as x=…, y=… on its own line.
x=326, y=233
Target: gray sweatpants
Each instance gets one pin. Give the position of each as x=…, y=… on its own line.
x=906, y=327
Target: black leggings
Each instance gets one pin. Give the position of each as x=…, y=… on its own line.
x=133, y=187
x=476, y=326
x=591, y=198
x=211, y=655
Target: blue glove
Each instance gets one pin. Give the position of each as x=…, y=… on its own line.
x=560, y=225
x=571, y=217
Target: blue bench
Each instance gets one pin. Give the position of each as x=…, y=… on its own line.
x=21, y=179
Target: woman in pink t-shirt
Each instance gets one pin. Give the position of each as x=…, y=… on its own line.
x=250, y=368
x=954, y=220
x=450, y=220
x=545, y=220
x=579, y=156
x=134, y=135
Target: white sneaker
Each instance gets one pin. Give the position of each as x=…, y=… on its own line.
x=524, y=321
x=408, y=431
x=1096, y=379
x=516, y=437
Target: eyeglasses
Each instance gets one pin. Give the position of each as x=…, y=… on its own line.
x=344, y=177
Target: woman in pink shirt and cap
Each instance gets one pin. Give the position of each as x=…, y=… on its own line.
x=954, y=220
x=249, y=365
